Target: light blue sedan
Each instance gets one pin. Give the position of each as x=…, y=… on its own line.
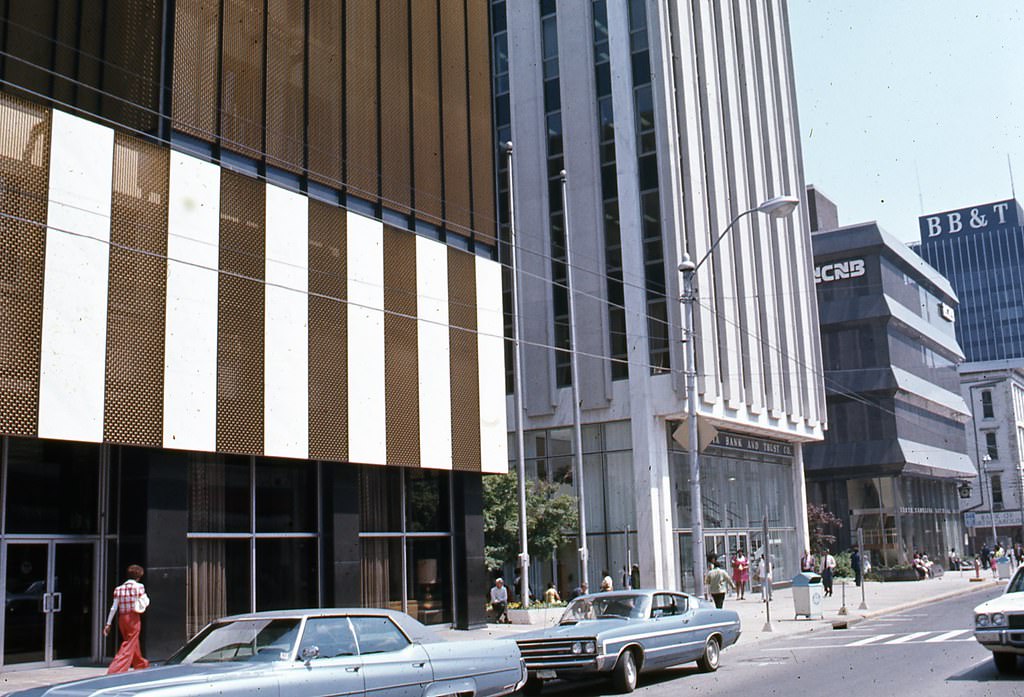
x=624, y=633
x=311, y=653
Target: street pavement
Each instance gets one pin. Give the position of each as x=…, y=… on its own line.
x=761, y=652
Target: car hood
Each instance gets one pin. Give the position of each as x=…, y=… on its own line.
x=584, y=628
x=140, y=680
x=1004, y=603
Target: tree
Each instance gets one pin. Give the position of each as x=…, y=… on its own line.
x=821, y=522
x=549, y=513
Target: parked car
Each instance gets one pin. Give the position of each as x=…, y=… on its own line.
x=624, y=633
x=318, y=652
x=999, y=624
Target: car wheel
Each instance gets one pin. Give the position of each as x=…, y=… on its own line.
x=1005, y=662
x=708, y=662
x=533, y=686
x=625, y=674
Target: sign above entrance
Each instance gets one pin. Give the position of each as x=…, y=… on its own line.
x=750, y=444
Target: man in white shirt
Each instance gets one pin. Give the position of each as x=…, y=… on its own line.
x=828, y=565
x=499, y=601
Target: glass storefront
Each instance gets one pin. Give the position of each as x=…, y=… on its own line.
x=740, y=486
x=405, y=536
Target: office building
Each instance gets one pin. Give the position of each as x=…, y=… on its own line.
x=894, y=453
x=670, y=119
x=980, y=249
x=994, y=390
x=250, y=312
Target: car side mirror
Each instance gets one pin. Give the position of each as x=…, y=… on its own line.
x=309, y=653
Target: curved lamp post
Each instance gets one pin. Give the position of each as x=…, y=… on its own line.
x=777, y=207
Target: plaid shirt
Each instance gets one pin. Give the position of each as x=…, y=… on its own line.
x=124, y=598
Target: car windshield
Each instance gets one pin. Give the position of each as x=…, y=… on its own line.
x=596, y=607
x=254, y=640
x=1017, y=584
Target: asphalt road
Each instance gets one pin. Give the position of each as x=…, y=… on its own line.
x=925, y=652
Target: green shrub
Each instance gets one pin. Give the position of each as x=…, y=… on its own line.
x=844, y=569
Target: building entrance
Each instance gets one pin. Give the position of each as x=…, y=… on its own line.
x=49, y=616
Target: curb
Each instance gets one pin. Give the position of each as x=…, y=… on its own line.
x=854, y=618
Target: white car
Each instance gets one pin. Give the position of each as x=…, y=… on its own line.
x=999, y=624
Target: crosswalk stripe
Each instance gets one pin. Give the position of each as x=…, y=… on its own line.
x=872, y=639
x=946, y=635
x=908, y=637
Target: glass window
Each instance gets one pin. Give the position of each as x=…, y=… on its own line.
x=285, y=496
x=382, y=573
x=997, y=492
x=52, y=487
x=430, y=582
x=666, y=604
x=380, y=507
x=219, y=493
x=990, y=445
x=426, y=501
x=219, y=581
x=286, y=575
x=332, y=636
x=986, y=404
x=378, y=635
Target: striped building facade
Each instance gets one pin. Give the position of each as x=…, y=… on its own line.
x=251, y=329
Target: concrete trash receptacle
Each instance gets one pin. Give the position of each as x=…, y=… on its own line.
x=807, y=595
x=1003, y=570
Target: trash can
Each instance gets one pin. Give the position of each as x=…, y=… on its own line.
x=807, y=594
x=1003, y=570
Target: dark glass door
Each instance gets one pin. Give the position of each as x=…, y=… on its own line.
x=27, y=602
x=73, y=599
x=50, y=601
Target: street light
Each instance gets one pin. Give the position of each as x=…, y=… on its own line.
x=777, y=207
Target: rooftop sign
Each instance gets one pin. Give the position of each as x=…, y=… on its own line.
x=972, y=219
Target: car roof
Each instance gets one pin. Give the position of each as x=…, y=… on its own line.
x=412, y=628
x=636, y=591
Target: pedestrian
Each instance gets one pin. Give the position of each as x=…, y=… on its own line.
x=130, y=601
x=716, y=580
x=499, y=601
x=855, y=563
x=985, y=555
x=551, y=595
x=764, y=574
x=828, y=565
x=578, y=591
x=634, y=576
x=807, y=561
x=606, y=582
x=740, y=572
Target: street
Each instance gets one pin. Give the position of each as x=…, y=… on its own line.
x=929, y=650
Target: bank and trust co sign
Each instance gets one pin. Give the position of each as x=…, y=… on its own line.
x=972, y=219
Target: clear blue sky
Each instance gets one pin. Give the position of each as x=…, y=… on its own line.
x=896, y=92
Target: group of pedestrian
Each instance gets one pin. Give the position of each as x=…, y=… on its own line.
x=717, y=581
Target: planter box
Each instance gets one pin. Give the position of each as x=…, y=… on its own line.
x=544, y=617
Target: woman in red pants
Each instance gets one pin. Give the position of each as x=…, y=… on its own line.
x=129, y=621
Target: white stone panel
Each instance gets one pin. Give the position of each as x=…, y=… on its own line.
x=190, y=355
x=286, y=329
x=74, y=331
x=491, y=366
x=367, y=425
x=434, y=354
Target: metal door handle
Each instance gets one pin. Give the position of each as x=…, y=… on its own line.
x=419, y=665
x=58, y=603
x=47, y=600
x=352, y=669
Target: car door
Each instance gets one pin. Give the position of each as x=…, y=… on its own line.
x=668, y=630
x=392, y=665
x=327, y=662
x=695, y=633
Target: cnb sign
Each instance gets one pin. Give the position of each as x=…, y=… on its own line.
x=967, y=220
x=838, y=270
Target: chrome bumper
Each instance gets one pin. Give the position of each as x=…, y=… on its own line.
x=1011, y=640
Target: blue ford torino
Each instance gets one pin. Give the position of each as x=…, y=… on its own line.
x=624, y=633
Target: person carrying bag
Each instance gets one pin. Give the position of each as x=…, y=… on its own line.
x=130, y=602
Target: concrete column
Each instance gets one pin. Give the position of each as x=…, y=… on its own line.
x=656, y=549
x=803, y=535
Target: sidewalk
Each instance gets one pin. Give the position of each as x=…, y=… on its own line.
x=882, y=598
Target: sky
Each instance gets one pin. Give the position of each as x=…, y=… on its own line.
x=909, y=106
